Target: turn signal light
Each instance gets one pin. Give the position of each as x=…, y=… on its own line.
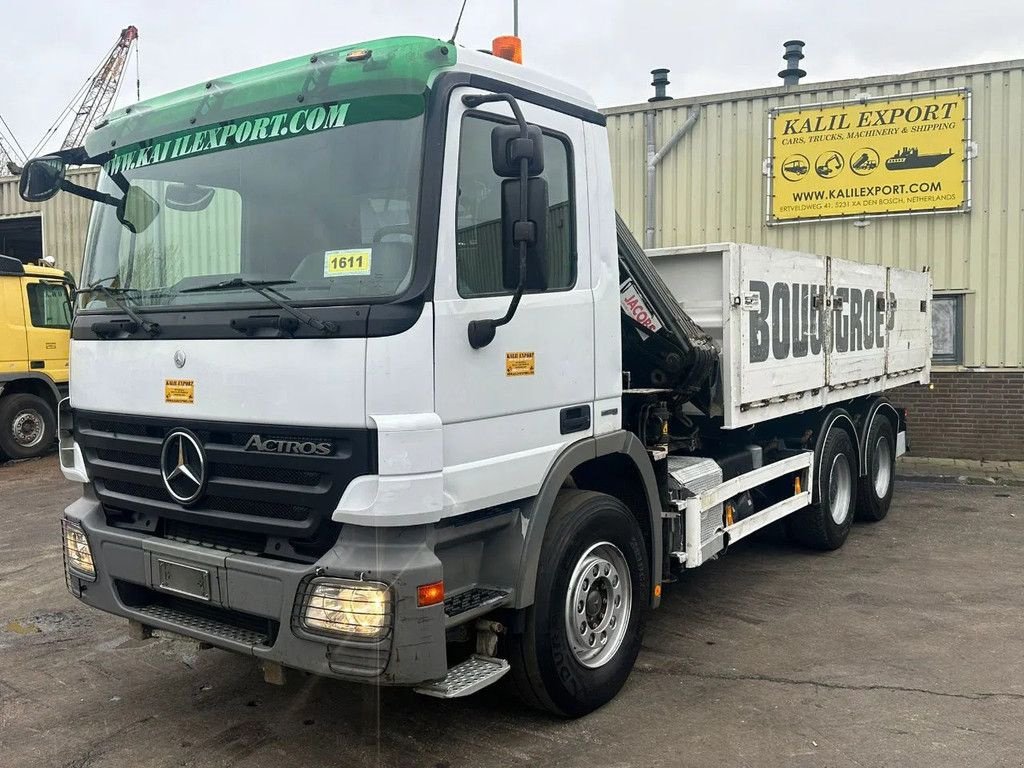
x=797, y=487
x=430, y=594
x=508, y=47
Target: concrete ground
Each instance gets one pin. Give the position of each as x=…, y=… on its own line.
x=902, y=649
x=970, y=471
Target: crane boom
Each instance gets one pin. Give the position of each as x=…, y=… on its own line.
x=102, y=88
x=5, y=158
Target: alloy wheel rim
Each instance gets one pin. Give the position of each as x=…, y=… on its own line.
x=840, y=488
x=598, y=605
x=881, y=468
x=27, y=428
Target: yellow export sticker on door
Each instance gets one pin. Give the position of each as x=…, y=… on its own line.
x=179, y=391
x=352, y=261
x=519, y=363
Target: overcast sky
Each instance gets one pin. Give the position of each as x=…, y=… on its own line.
x=606, y=46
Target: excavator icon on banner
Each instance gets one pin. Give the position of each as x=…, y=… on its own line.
x=829, y=164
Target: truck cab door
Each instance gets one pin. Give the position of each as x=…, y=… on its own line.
x=47, y=326
x=13, y=355
x=510, y=407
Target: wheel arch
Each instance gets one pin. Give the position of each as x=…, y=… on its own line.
x=616, y=464
x=876, y=408
x=835, y=418
x=31, y=384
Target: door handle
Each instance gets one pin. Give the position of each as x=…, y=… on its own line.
x=576, y=418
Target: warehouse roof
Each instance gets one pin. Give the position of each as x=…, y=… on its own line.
x=782, y=90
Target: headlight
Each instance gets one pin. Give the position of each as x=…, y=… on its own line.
x=357, y=609
x=77, y=555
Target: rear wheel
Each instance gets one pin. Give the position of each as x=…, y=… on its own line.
x=875, y=493
x=826, y=524
x=582, y=634
x=27, y=426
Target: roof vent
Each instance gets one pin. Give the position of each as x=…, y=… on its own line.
x=659, y=79
x=792, y=74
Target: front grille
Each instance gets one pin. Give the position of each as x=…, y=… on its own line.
x=126, y=457
x=268, y=509
x=238, y=542
x=120, y=427
x=266, y=494
x=268, y=474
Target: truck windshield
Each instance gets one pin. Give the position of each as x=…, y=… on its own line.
x=322, y=197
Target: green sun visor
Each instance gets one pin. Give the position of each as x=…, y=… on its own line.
x=303, y=95
x=256, y=129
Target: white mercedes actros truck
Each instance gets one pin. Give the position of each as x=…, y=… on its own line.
x=368, y=380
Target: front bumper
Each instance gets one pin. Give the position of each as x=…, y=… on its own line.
x=251, y=609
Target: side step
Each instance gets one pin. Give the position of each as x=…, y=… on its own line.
x=468, y=677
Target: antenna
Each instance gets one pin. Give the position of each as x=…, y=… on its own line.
x=458, y=21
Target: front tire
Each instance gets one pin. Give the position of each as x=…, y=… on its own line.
x=27, y=426
x=582, y=635
x=875, y=493
x=826, y=524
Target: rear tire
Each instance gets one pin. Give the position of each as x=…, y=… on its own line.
x=875, y=492
x=826, y=524
x=582, y=635
x=27, y=426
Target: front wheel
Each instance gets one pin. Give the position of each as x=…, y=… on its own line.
x=27, y=426
x=582, y=635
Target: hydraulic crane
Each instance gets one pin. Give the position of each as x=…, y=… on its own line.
x=5, y=158
x=10, y=150
x=102, y=88
x=95, y=97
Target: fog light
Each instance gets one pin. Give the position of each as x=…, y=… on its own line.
x=349, y=608
x=77, y=555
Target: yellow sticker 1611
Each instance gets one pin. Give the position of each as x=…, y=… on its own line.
x=352, y=261
x=519, y=364
x=179, y=391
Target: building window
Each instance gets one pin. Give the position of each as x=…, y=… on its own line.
x=479, y=258
x=48, y=305
x=948, y=329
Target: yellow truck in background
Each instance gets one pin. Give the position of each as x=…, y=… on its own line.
x=35, y=323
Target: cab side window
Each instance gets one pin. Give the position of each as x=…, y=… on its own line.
x=478, y=215
x=48, y=305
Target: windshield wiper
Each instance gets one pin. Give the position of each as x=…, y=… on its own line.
x=117, y=295
x=265, y=288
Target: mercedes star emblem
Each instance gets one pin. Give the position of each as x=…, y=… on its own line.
x=183, y=466
x=179, y=359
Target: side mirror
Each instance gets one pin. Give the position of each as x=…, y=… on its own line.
x=529, y=226
x=517, y=155
x=41, y=178
x=508, y=147
x=137, y=209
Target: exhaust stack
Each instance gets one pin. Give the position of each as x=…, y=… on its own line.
x=792, y=74
x=659, y=79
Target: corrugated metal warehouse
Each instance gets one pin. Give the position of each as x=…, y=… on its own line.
x=55, y=228
x=713, y=185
